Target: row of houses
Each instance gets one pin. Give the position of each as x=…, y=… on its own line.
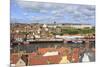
x=53, y=56
x=32, y=31
x=46, y=56
x=42, y=30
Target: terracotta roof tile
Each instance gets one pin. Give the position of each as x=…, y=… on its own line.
x=44, y=60
x=14, y=59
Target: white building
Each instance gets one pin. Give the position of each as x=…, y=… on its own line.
x=77, y=25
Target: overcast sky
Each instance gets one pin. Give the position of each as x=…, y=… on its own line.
x=28, y=12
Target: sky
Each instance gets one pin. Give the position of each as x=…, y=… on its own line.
x=43, y=12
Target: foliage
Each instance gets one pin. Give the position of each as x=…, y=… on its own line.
x=78, y=31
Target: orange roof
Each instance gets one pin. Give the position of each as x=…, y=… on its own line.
x=37, y=60
x=14, y=59
x=76, y=50
x=44, y=50
x=75, y=55
x=60, y=50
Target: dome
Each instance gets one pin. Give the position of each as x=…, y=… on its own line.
x=44, y=25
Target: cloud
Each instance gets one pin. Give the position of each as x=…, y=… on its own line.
x=55, y=11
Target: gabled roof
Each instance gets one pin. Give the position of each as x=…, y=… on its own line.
x=44, y=50
x=20, y=63
x=61, y=50
x=14, y=58
x=37, y=60
x=75, y=55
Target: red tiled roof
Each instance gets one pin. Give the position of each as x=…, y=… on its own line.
x=54, y=59
x=14, y=59
x=44, y=60
x=69, y=57
x=75, y=55
x=33, y=54
x=36, y=60
x=44, y=50
x=76, y=50
x=60, y=50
